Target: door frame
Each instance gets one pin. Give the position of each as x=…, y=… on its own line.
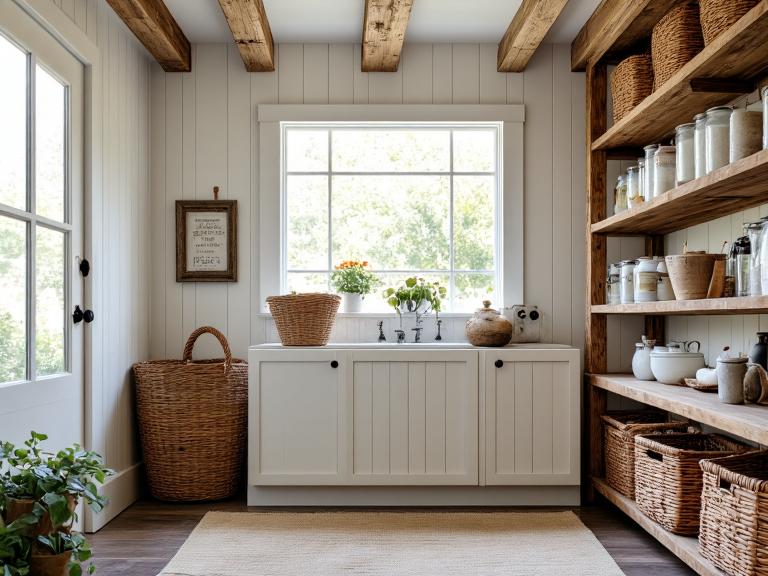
x=55, y=22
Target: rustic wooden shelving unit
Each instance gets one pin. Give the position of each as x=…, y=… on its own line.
x=736, y=63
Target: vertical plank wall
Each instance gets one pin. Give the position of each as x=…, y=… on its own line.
x=204, y=134
x=121, y=262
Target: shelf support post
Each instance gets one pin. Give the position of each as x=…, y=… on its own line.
x=595, y=355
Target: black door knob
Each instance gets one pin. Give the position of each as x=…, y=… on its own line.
x=79, y=315
x=499, y=363
x=534, y=315
x=334, y=364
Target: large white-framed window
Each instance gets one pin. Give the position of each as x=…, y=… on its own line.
x=412, y=199
x=434, y=191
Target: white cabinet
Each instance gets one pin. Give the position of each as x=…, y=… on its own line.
x=532, y=424
x=414, y=417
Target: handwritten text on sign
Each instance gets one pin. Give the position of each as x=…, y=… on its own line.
x=206, y=241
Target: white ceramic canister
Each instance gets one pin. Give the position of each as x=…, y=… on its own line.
x=650, y=169
x=765, y=117
x=685, y=159
x=641, y=361
x=664, y=170
x=627, y=277
x=746, y=134
x=700, y=145
x=718, y=134
x=646, y=279
x=614, y=284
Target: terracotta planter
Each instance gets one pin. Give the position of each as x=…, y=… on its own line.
x=16, y=508
x=49, y=564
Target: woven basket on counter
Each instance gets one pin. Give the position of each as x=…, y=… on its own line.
x=631, y=83
x=619, y=431
x=304, y=319
x=734, y=513
x=193, y=423
x=674, y=41
x=668, y=477
x=719, y=15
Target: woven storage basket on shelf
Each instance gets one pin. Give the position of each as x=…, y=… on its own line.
x=193, y=423
x=668, y=477
x=734, y=513
x=304, y=319
x=631, y=83
x=674, y=41
x=619, y=431
x=719, y=15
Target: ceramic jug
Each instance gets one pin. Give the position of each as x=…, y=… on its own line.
x=759, y=352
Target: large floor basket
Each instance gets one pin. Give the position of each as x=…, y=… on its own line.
x=193, y=423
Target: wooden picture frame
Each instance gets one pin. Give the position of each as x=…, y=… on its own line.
x=206, y=241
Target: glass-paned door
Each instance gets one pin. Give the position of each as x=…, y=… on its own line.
x=41, y=203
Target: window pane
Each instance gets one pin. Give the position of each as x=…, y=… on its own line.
x=471, y=290
x=307, y=234
x=298, y=282
x=391, y=150
x=307, y=150
x=13, y=119
x=394, y=222
x=49, y=322
x=13, y=307
x=473, y=222
x=49, y=145
x=474, y=150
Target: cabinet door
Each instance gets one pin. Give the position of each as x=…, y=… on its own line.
x=414, y=418
x=532, y=409
x=296, y=434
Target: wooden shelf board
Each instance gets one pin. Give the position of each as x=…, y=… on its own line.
x=740, y=53
x=684, y=547
x=736, y=187
x=704, y=307
x=748, y=421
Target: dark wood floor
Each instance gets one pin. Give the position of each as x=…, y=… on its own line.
x=143, y=539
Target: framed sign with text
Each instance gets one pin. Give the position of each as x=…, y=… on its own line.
x=206, y=240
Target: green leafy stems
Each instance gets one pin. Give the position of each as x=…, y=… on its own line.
x=354, y=277
x=416, y=295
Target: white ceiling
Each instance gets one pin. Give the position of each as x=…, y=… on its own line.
x=341, y=20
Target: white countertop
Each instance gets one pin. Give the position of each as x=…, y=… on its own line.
x=408, y=346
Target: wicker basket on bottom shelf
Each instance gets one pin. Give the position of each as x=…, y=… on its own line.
x=193, y=423
x=734, y=513
x=619, y=431
x=668, y=477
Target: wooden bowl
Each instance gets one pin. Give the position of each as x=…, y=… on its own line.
x=691, y=273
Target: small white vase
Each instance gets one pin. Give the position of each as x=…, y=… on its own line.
x=351, y=302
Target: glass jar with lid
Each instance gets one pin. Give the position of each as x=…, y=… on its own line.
x=700, y=145
x=685, y=158
x=634, y=198
x=620, y=195
x=664, y=170
x=650, y=151
x=613, y=285
x=641, y=177
x=646, y=279
x=718, y=129
x=627, y=268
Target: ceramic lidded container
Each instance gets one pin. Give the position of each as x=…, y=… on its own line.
x=488, y=328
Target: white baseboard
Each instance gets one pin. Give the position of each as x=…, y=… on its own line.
x=122, y=489
x=416, y=496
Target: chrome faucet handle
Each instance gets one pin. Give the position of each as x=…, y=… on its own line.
x=400, y=336
x=417, y=337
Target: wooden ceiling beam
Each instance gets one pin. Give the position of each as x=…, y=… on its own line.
x=156, y=29
x=384, y=33
x=528, y=28
x=617, y=27
x=248, y=22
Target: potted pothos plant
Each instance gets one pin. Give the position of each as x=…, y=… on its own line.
x=354, y=280
x=39, y=492
x=415, y=295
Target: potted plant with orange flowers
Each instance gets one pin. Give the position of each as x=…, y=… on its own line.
x=353, y=279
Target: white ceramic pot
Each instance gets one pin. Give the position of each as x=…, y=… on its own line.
x=351, y=302
x=673, y=367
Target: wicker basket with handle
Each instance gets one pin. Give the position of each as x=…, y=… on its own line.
x=734, y=513
x=668, y=477
x=619, y=431
x=719, y=15
x=304, y=319
x=631, y=83
x=674, y=41
x=193, y=423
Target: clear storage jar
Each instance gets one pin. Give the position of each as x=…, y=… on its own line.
x=620, y=195
x=664, y=170
x=700, y=145
x=613, y=285
x=641, y=178
x=634, y=198
x=685, y=159
x=645, y=279
x=650, y=169
x=746, y=134
x=627, y=268
x=718, y=129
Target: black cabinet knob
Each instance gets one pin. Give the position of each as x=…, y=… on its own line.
x=499, y=363
x=334, y=364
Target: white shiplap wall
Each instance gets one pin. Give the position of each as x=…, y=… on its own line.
x=120, y=250
x=204, y=134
